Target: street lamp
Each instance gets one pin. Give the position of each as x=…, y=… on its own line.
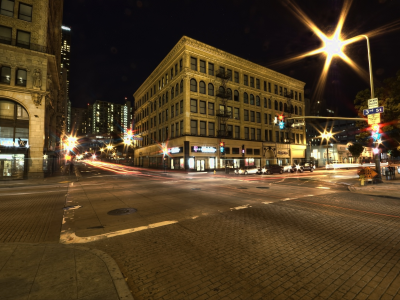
x=327, y=135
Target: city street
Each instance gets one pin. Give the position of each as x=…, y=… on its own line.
x=206, y=236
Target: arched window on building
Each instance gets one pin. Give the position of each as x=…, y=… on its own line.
x=159, y=101
x=236, y=96
x=163, y=99
x=210, y=89
x=229, y=94
x=177, y=89
x=193, y=85
x=245, y=98
x=280, y=106
x=285, y=108
x=181, y=87
x=251, y=99
x=257, y=101
x=166, y=97
x=172, y=93
x=276, y=105
x=202, y=87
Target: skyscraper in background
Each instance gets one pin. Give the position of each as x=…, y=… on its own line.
x=65, y=58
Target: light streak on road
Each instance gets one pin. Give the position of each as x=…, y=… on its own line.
x=119, y=169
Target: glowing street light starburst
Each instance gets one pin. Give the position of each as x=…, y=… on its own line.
x=333, y=45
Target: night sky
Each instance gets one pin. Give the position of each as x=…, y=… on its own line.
x=117, y=44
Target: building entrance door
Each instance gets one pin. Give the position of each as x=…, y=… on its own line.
x=200, y=164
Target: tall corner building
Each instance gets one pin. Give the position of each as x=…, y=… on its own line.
x=32, y=92
x=65, y=68
x=200, y=96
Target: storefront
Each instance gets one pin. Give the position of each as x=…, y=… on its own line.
x=13, y=163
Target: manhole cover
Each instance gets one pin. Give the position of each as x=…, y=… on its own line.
x=196, y=189
x=122, y=211
x=242, y=188
x=263, y=187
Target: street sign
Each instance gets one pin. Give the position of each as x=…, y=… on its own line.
x=372, y=103
x=374, y=119
x=375, y=110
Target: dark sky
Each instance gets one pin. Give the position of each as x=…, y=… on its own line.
x=116, y=44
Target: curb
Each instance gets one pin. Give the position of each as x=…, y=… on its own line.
x=118, y=279
x=352, y=189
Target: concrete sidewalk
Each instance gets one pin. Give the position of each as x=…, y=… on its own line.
x=389, y=188
x=54, y=271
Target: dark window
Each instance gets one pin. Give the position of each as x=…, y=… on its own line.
x=202, y=87
x=229, y=93
x=166, y=97
x=252, y=81
x=229, y=74
x=176, y=109
x=258, y=139
x=251, y=99
x=210, y=108
x=166, y=114
x=21, y=78
x=210, y=89
x=249, y=151
x=176, y=129
x=258, y=116
x=181, y=106
x=280, y=91
x=227, y=150
x=266, y=135
x=211, y=130
x=180, y=65
x=235, y=150
x=269, y=87
x=276, y=105
x=5, y=75
x=172, y=73
x=257, y=151
x=172, y=93
x=245, y=98
x=7, y=8
x=5, y=35
x=236, y=95
x=181, y=86
x=177, y=89
x=265, y=103
x=236, y=74
x=23, y=39
x=193, y=127
x=172, y=131
x=265, y=118
x=172, y=111
x=236, y=114
x=285, y=92
x=25, y=12
x=210, y=69
x=252, y=119
x=193, y=85
x=270, y=119
x=193, y=63
x=202, y=128
x=176, y=69
x=269, y=104
x=300, y=111
x=257, y=101
x=246, y=115
x=193, y=105
x=295, y=110
x=276, y=89
x=299, y=96
x=280, y=106
x=285, y=108
x=276, y=136
x=246, y=133
x=245, y=80
x=237, y=134
x=203, y=107
x=265, y=86
x=258, y=83
x=202, y=66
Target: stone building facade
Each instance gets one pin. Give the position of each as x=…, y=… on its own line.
x=200, y=96
x=32, y=91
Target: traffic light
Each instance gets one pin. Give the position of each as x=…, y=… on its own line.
x=375, y=127
x=242, y=150
x=375, y=132
x=222, y=147
x=281, y=119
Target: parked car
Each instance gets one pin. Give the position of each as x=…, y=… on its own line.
x=245, y=171
x=307, y=166
x=271, y=169
x=287, y=168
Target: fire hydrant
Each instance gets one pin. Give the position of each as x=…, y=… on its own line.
x=362, y=179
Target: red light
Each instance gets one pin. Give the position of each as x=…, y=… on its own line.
x=221, y=144
x=375, y=127
x=280, y=118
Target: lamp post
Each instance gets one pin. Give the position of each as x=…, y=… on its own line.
x=327, y=136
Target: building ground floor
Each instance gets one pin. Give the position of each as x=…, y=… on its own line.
x=192, y=153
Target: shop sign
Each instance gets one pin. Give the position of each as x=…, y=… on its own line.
x=283, y=153
x=175, y=150
x=204, y=149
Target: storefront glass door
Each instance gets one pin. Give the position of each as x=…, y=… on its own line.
x=200, y=164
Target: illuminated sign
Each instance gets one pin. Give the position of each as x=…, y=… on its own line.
x=204, y=149
x=298, y=124
x=175, y=150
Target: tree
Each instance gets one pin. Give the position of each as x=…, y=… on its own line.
x=356, y=150
x=394, y=153
x=389, y=96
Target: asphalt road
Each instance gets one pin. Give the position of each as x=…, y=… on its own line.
x=206, y=236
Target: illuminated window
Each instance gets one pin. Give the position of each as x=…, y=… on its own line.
x=20, y=80
x=5, y=75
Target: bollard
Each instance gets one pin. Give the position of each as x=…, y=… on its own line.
x=362, y=180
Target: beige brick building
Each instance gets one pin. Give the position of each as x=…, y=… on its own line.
x=200, y=96
x=32, y=92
